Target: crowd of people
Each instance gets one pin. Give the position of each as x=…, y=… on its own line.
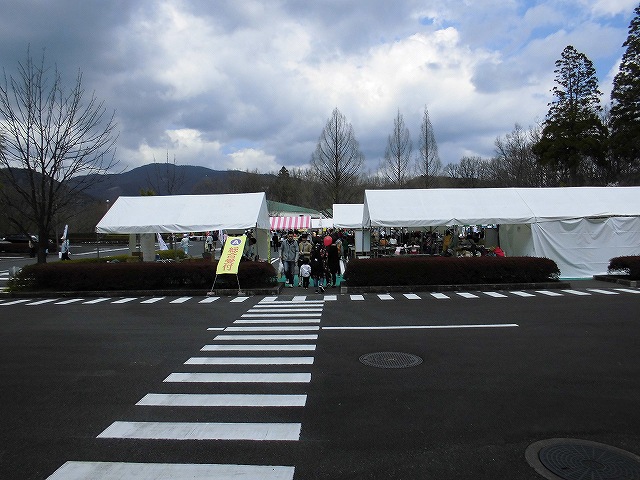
x=450, y=243
x=317, y=258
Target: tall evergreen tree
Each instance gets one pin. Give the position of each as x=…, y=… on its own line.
x=573, y=129
x=428, y=164
x=625, y=108
x=397, y=155
x=337, y=160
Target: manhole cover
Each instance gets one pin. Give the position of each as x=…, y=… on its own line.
x=570, y=459
x=390, y=360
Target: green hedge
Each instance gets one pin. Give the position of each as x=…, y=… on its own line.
x=449, y=271
x=81, y=276
x=629, y=265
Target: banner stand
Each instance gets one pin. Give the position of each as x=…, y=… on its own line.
x=229, y=260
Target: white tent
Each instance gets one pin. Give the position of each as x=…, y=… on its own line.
x=321, y=223
x=190, y=213
x=349, y=215
x=580, y=228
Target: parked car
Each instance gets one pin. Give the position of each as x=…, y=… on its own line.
x=19, y=243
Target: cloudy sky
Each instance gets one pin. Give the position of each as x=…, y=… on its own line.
x=250, y=84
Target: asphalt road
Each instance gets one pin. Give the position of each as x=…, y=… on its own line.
x=497, y=374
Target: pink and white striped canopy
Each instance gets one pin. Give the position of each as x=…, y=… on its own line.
x=299, y=222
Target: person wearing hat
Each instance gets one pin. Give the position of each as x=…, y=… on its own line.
x=184, y=244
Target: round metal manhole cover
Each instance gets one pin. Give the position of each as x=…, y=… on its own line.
x=570, y=459
x=390, y=360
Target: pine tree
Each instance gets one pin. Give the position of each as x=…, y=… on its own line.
x=625, y=108
x=573, y=130
x=428, y=164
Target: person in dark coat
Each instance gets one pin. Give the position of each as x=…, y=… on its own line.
x=333, y=263
x=317, y=267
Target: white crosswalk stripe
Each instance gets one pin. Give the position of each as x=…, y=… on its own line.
x=495, y=294
x=155, y=471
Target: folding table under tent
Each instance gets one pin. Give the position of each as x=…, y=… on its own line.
x=349, y=215
x=580, y=228
x=298, y=222
x=234, y=213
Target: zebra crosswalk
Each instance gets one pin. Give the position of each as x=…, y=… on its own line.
x=266, y=312
x=248, y=351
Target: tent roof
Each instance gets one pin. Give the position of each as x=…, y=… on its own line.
x=347, y=215
x=291, y=222
x=186, y=213
x=479, y=206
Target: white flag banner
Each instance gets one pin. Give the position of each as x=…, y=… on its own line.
x=66, y=229
x=161, y=242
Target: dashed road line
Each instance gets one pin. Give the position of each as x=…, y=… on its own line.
x=249, y=361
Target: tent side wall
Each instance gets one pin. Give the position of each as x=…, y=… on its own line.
x=583, y=247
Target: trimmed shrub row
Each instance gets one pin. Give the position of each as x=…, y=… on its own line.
x=629, y=265
x=449, y=271
x=81, y=276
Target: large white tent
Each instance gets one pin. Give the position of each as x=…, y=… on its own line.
x=580, y=228
x=349, y=215
x=234, y=213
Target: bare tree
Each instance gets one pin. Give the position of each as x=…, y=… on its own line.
x=397, y=155
x=515, y=164
x=58, y=143
x=469, y=172
x=428, y=164
x=337, y=160
x=166, y=179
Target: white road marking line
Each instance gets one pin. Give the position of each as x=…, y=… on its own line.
x=627, y=290
x=385, y=296
x=153, y=300
x=411, y=296
x=269, y=315
x=269, y=299
x=42, y=302
x=285, y=310
x=299, y=298
x=423, y=327
x=97, y=300
x=522, y=294
x=549, y=293
x=440, y=296
x=356, y=297
x=14, y=302
x=576, y=292
x=238, y=378
x=495, y=294
x=156, y=471
x=125, y=300
x=203, y=431
x=215, y=329
x=466, y=295
x=603, y=292
x=71, y=300
x=285, y=328
x=249, y=361
x=280, y=320
x=209, y=300
x=221, y=400
x=180, y=300
x=331, y=298
x=288, y=303
x=265, y=337
x=239, y=299
x=257, y=348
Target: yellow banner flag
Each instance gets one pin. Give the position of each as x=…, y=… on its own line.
x=231, y=255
